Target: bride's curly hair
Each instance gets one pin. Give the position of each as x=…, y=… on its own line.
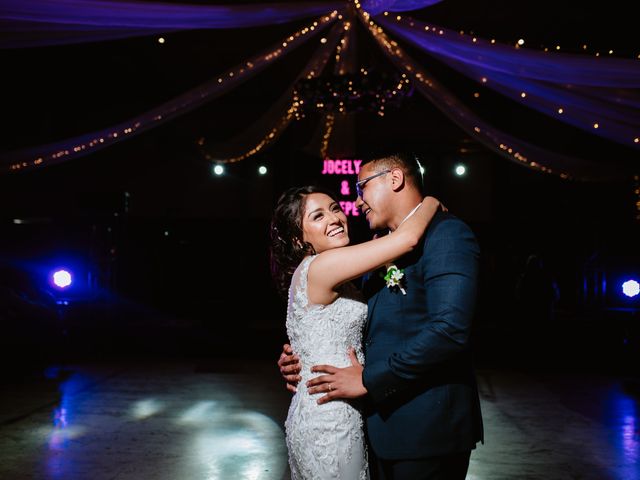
x=287, y=248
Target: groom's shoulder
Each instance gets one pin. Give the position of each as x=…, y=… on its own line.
x=445, y=223
x=449, y=232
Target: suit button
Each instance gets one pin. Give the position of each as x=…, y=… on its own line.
x=368, y=343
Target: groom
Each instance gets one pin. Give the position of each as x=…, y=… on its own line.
x=422, y=407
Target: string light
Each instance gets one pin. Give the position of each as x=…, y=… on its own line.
x=294, y=111
x=343, y=93
x=328, y=130
x=394, y=50
x=179, y=103
x=266, y=140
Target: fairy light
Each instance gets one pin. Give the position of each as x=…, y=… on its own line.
x=328, y=130
x=131, y=129
x=266, y=140
x=293, y=112
x=393, y=49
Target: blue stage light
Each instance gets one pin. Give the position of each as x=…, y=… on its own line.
x=61, y=278
x=631, y=288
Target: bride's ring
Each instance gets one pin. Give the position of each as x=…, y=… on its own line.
x=330, y=387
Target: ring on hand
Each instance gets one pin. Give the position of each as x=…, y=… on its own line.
x=331, y=387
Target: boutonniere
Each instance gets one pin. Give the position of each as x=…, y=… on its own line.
x=395, y=278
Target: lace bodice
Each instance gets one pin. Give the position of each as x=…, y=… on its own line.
x=324, y=441
x=322, y=334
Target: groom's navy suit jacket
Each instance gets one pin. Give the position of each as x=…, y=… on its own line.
x=423, y=399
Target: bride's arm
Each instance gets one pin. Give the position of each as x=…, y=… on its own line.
x=334, y=267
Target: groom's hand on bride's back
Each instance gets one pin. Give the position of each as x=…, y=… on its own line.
x=289, y=364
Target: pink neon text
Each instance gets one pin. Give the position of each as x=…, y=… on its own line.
x=341, y=167
x=349, y=208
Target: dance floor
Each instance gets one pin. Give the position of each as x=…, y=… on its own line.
x=222, y=418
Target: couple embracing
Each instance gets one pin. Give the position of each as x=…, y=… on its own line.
x=383, y=376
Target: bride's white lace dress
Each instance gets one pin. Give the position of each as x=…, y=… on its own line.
x=324, y=441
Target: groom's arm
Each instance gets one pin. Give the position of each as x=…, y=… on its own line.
x=450, y=265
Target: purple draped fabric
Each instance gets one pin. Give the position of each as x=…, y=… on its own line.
x=374, y=7
x=616, y=121
x=589, y=90
x=29, y=23
x=553, y=67
x=577, y=89
x=58, y=152
x=507, y=146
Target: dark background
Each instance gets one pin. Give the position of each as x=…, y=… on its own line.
x=172, y=260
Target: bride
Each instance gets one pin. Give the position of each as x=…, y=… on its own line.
x=313, y=264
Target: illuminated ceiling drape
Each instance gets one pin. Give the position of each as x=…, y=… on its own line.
x=598, y=95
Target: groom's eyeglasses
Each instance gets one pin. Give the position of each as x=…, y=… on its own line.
x=361, y=183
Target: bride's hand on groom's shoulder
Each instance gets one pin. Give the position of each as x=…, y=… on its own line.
x=289, y=365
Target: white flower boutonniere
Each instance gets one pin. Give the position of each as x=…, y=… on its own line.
x=395, y=278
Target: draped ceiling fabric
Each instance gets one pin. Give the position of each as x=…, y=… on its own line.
x=579, y=90
x=30, y=23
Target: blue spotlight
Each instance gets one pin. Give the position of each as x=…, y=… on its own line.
x=631, y=288
x=61, y=279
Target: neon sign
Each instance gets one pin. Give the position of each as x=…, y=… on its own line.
x=344, y=167
x=341, y=167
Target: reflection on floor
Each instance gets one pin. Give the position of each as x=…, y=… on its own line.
x=223, y=419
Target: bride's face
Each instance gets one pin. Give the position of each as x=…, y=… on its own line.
x=324, y=224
